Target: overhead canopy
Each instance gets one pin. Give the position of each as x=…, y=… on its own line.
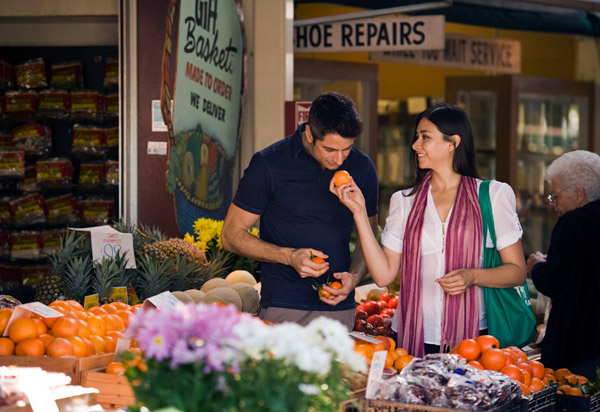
x=555, y=16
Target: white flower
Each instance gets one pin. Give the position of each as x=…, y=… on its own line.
x=308, y=389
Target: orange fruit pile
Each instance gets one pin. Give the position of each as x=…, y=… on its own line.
x=77, y=333
x=484, y=352
x=396, y=358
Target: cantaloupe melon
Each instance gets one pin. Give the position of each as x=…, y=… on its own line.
x=241, y=276
x=182, y=296
x=214, y=283
x=249, y=296
x=225, y=295
x=195, y=294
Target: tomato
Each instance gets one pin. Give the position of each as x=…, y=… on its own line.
x=382, y=305
x=393, y=303
x=375, y=320
x=361, y=314
x=387, y=313
x=384, y=297
x=360, y=307
x=369, y=329
x=360, y=325
x=371, y=307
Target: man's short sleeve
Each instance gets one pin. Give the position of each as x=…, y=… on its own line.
x=371, y=191
x=254, y=190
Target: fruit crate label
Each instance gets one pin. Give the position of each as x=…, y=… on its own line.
x=66, y=73
x=118, y=294
x=89, y=137
x=46, y=170
x=60, y=205
x=91, y=173
x=31, y=74
x=12, y=160
x=90, y=300
x=54, y=100
x=20, y=102
x=26, y=205
x=90, y=102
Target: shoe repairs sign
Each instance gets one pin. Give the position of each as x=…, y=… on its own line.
x=386, y=33
x=463, y=52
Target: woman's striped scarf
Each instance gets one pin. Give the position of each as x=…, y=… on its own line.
x=460, y=317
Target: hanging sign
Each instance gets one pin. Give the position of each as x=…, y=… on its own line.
x=207, y=103
x=463, y=52
x=384, y=33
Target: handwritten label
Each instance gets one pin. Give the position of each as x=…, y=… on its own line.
x=39, y=396
x=376, y=371
x=165, y=300
x=123, y=345
x=108, y=245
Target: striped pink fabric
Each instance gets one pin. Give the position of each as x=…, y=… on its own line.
x=460, y=319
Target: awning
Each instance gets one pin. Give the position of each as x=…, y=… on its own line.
x=555, y=16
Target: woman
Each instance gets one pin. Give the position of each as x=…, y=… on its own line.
x=434, y=234
x=570, y=274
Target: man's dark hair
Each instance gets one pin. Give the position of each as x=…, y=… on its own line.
x=334, y=113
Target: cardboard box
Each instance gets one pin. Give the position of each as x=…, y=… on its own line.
x=70, y=366
x=67, y=398
x=114, y=390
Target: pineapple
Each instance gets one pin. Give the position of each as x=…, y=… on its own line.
x=154, y=275
x=49, y=289
x=108, y=274
x=77, y=276
x=51, y=286
x=169, y=249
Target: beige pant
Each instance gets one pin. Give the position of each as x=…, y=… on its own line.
x=303, y=317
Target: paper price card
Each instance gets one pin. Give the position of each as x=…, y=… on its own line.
x=376, y=371
x=118, y=294
x=107, y=242
x=165, y=300
x=91, y=300
x=363, y=336
x=25, y=311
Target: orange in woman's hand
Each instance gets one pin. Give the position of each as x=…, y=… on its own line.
x=341, y=178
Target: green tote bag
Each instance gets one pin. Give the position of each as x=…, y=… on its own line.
x=509, y=315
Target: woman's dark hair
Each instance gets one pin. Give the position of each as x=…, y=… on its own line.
x=449, y=120
x=334, y=113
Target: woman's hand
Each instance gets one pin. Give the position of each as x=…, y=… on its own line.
x=350, y=196
x=457, y=281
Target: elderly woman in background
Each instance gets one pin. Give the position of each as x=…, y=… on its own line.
x=570, y=274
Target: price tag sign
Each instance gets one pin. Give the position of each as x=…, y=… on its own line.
x=107, y=242
x=25, y=311
x=162, y=301
x=376, y=371
x=107, y=245
x=363, y=336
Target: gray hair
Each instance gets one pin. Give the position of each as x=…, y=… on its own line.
x=578, y=168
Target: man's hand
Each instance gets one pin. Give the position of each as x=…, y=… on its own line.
x=307, y=268
x=348, y=281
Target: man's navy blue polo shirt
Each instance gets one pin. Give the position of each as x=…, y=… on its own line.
x=290, y=190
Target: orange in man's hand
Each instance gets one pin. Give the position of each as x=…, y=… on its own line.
x=341, y=177
x=317, y=259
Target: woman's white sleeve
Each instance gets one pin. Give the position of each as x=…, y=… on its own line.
x=395, y=224
x=506, y=221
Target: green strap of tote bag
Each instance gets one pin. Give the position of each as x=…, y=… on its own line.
x=509, y=315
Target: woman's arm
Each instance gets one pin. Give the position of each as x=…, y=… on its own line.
x=513, y=272
x=383, y=264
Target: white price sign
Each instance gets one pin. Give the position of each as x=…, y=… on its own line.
x=107, y=242
x=165, y=300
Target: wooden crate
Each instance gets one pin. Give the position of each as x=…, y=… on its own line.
x=69, y=365
x=115, y=391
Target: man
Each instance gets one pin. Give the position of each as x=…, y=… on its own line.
x=286, y=185
x=570, y=274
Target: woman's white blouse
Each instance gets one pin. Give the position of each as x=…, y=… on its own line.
x=508, y=232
